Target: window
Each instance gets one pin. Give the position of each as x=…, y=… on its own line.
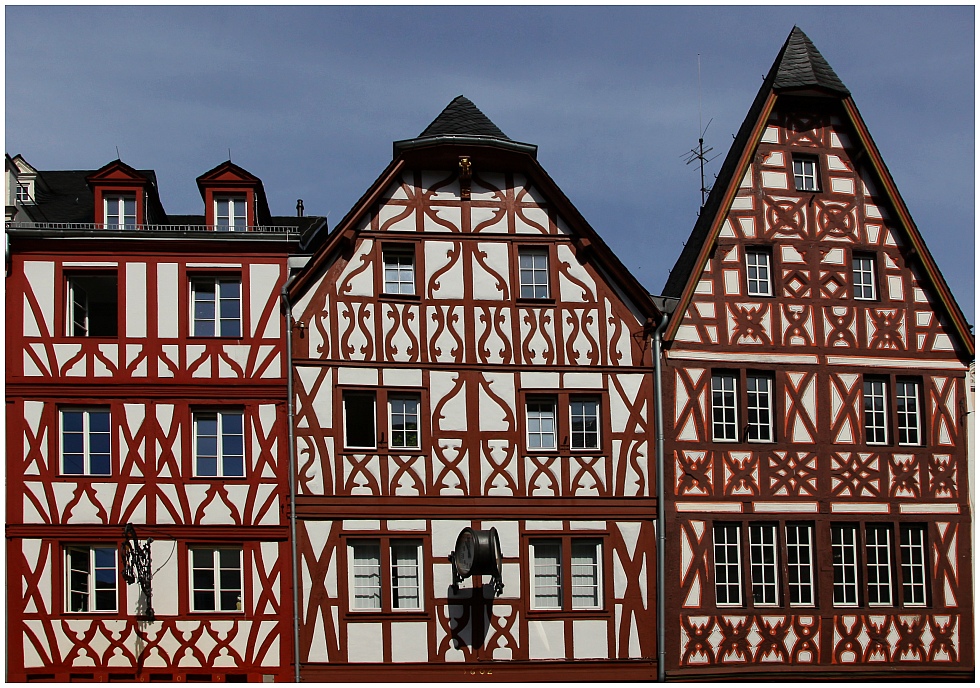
x=216, y=579
x=724, y=423
x=863, y=274
x=359, y=420
x=403, y=414
x=533, y=265
x=399, y=270
x=575, y=583
x=230, y=213
x=400, y=589
x=907, y=408
x=217, y=306
x=878, y=551
x=843, y=543
x=805, y=173
x=762, y=556
x=759, y=414
x=85, y=442
x=875, y=414
x=585, y=423
x=799, y=564
x=219, y=444
x=90, y=573
x=24, y=194
x=913, y=546
x=93, y=305
x=728, y=565
x=541, y=424
x=758, y=272
x=120, y=211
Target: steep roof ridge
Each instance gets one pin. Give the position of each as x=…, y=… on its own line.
x=462, y=118
x=802, y=66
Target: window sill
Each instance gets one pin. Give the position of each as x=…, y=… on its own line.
x=528, y=302
x=568, y=613
x=375, y=614
x=210, y=478
x=407, y=298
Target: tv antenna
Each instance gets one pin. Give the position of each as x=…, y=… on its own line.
x=700, y=153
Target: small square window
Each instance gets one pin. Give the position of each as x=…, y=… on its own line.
x=584, y=423
x=230, y=213
x=120, y=211
x=86, y=442
x=219, y=444
x=93, y=305
x=217, y=306
x=24, y=194
x=541, y=432
x=90, y=578
x=403, y=414
x=533, y=264
x=216, y=579
x=863, y=273
x=399, y=269
x=758, y=272
x=805, y=173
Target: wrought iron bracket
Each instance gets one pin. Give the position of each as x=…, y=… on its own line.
x=137, y=566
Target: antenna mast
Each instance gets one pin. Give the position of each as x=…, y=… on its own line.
x=700, y=153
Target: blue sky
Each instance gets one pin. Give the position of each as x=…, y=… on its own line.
x=309, y=99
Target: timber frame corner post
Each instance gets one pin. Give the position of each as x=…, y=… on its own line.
x=137, y=566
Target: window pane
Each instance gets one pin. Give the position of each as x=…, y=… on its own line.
x=366, y=569
x=843, y=540
x=914, y=566
x=875, y=414
x=585, y=575
x=724, y=423
x=585, y=424
x=533, y=269
x=359, y=419
x=405, y=575
x=799, y=560
x=907, y=408
x=728, y=582
x=878, y=550
x=541, y=425
x=547, y=575
x=762, y=550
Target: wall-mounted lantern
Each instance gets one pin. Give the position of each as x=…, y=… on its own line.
x=137, y=566
x=478, y=553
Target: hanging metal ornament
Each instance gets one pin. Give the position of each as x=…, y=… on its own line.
x=137, y=566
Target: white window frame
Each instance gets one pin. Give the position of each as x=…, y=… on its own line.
x=863, y=277
x=844, y=551
x=400, y=580
x=220, y=417
x=218, y=587
x=546, y=575
x=799, y=564
x=537, y=412
x=805, y=174
x=90, y=554
x=908, y=412
x=87, y=436
x=724, y=407
x=583, y=580
x=586, y=575
x=114, y=205
x=216, y=321
x=402, y=574
x=348, y=393
x=727, y=564
x=24, y=194
x=914, y=571
x=585, y=439
x=758, y=272
x=875, y=403
x=78, y=308
x=224, y=207
x=877, y=547
x=764, y=564
x=406, y=418
x=399, y=270
x=759, y=407
x=534, y=274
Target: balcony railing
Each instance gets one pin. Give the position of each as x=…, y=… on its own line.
x=90, y=226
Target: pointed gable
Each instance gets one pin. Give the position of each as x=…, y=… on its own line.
x=224, y=184
x=116, y=185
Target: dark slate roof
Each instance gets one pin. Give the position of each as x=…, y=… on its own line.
x=62, y=196
x=802, y=66
x=798, y=66
x=462, y=118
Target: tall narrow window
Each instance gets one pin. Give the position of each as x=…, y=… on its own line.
x=91, y=579
x=533, y=264
x=762, y=551
x=799, y=564
x=907, y=408
x=913, y=565
x=728, y=566
x=86, y=442
x=93, y=305
x=878, y=548
x=405, y=586
x=584, y=423
x=541, y=424
x=359, y=419
x=120, y=211
x=230, y=213
x=217, y=306
x=759, y=414
x=216, y=579
x=843, y=543
x=366, y=572
x=875, y=413
x=547, y=574
x=219, y=444
x=403, y=412
x=399, y=269
x=863, y=273
x=758, y=272
x=723, y=408
x=805, y=173
x=586, y=574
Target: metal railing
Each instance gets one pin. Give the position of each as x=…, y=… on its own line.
x=89, y=226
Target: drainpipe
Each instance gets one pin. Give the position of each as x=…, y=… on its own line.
x=661, y=520
x=288, y=312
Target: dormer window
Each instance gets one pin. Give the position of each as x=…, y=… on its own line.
x=230, y=214
x=24, y=194
x=120, y=211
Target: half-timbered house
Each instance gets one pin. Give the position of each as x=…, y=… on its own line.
x=817, y=489
x=467, y=352
x=145, y=382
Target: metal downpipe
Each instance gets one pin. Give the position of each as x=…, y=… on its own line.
x=661, y=519
x=288, y=312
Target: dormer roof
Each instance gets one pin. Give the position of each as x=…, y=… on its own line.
x=230, y=176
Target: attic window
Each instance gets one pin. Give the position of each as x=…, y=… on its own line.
x=805, y=173
x=120, y=211
x=230, y=213
x=24, y=194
